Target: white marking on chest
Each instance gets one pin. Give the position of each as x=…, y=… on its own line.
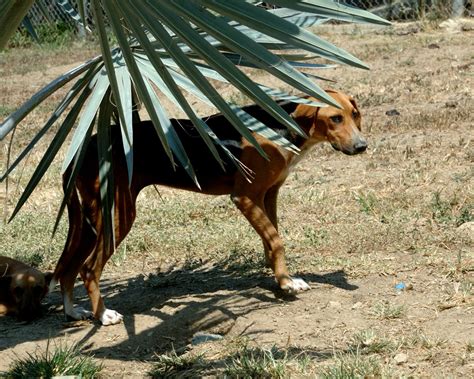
x=296, y=159
x=293, y=159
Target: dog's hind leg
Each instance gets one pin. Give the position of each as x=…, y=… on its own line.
x=80, y=243
x=68, y=273
x=91, y=271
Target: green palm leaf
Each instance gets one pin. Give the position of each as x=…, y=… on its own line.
x=53, y=149
x=73, y=92
x=16, y=117
x=179, y=47
x=106, y=178
x=122, y=95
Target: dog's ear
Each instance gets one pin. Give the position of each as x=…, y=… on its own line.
x=354, y=104
x=305, y=116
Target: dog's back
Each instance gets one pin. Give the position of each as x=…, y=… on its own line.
x=153, y=166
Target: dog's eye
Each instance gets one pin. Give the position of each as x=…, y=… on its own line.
x=18, y=291
x=336, y=119
x=355, y=114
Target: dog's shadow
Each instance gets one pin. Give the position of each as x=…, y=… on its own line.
x=164, y=310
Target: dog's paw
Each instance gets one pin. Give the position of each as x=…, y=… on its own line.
x=79, y=313
x=295, y=285
x=110, y=317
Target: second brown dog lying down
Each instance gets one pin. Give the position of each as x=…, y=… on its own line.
x=21, y=289
x=84, y=252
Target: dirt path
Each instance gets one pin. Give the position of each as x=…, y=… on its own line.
x=167, y=310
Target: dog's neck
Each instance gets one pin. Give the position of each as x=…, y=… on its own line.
x=307, y=125
x=302, y=143
x=295, y=138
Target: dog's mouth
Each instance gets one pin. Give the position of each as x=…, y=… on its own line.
x=358, y=148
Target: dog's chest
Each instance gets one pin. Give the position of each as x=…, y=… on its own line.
x=292, y=160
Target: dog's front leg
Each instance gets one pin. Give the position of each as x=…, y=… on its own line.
x=253, y=210
x=270, y=203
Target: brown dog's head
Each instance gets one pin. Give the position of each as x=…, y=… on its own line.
x=24, y=289
x=340, y=127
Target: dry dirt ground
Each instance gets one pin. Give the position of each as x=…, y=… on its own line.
x=354, y=228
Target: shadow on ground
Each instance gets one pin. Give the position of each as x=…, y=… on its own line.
x=163, y=311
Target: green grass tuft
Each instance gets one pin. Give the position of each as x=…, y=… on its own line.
x=5, y=111
x=172, y=365
x=367, y=203
x=368, y=342
x=387, y=311
x=353, y=365
x=450, y=211
x=257, y=363
x=62, y=361
x=53, y=35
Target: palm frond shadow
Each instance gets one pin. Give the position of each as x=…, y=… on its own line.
x=204, y=297
x=199, y=296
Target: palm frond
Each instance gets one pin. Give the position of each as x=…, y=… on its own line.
x=176, y=49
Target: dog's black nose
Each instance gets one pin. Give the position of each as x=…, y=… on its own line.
x=360, y=147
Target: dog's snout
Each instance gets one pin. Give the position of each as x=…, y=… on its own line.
x=360, y=146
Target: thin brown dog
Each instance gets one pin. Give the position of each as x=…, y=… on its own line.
x=21, y=289
x=84, y=252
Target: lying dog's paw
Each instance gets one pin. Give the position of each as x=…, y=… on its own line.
x=295, y=285
x=79, y=313
x=110, y=317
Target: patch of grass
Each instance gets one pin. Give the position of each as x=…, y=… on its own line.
x=61, y=361
x=236, y=360
x=243, y=261
x=422, y=340
x=368, y=342
x=441, y=209
x=52, y=35
x=387, y=311
x=5, y=111
x=36, y=259
x=172, y=365
x=450, y=211
x=470, y=347
x=28, y=238
x=315, y=237
x=354, y=365
x=367, y=202
x=239, y=99
x=244, y=361
x=258, y=363
x=120, y=255
x=465, y=215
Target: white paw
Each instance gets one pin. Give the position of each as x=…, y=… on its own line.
x=296, y=285
x=110, y=317
x=79, y=313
